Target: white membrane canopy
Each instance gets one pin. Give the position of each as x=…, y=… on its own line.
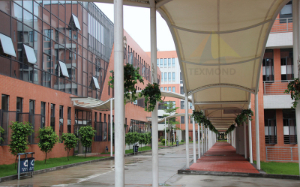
x=220, y=45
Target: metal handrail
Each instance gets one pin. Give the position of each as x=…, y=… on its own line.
x=276, y=87
x=282, y=25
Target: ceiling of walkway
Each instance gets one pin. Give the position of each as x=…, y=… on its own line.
x=220, y=45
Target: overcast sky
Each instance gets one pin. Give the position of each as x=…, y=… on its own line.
x=137, y=25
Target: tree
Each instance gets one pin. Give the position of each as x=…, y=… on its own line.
x=70, y=142
x=1, y=132
x=170, y=109
x=87, y=134
x=48, y=138
x=128, y=139
x=19, y=137
x=142, y=139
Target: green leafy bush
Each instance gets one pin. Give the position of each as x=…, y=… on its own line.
x=19, y=137
x=48, y=138
x=87, y=134
x=182, y=140
x=70, y=142
x=1, y=132
x=163, y=141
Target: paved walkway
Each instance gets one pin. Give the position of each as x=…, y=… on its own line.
x=222, y=157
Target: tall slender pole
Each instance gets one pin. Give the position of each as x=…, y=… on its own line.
x=245, y=140
x=194, y=134
x=199, y=151
x=202, y=138
x=296, y=43
x=111, y=127
x=250, y=141
x=257, y=132
x=165, y=132
x=154, y=113
x=186, y=131
x=119, y=93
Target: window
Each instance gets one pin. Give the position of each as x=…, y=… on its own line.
x=74, y=23
x=182, y=119
x=169, y=62
x=165, y=76
x=173, y=62
x=158, y=62
x=174, y=104
x=268, y=66
x=181, y=104
x=191, y=106
x=191, y=119
x=43, y=114
x=289, y=126
x=94, y=84
x=19, y=104
x=31, y=106
x=52, y=121
x=104, y=117
x=161, y=88
x=181, y=81
x=170, y=89
x=173, y=76
x=286, y=13
x=181, y=90
x=166, y=63
x=270, y=127
x=61, y=121
x=169, y=76
x=161, y=63
x=30, y=54
x=63, y=69
x=174, y=89
x=5, y=102
x=162, y=77
x=287, y=69
x=166, y=89
x=69, y=119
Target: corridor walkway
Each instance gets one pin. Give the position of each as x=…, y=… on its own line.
x=222, y=157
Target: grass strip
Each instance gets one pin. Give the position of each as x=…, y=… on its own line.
x=7, y=170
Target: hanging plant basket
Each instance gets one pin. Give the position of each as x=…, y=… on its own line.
x=152, y=95
x=243, y=117
x=293, y=88
x=231, y=128
x=131, y=78
x=198, y=116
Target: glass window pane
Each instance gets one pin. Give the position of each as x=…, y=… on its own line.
x=165, y=60
x=169, y=62
x=173, y=62
x=165, y=76
x=17, y=12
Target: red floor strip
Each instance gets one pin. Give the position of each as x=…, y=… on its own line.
x=222, y=157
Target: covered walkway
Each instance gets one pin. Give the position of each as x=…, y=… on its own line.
x=222, y=157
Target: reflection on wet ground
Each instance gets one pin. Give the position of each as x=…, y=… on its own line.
x=138, y=173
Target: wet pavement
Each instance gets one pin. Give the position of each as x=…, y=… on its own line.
x=138, y=173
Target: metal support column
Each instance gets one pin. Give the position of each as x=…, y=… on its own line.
x=119, y=96
x=199, y=151
x=154, y=80
x=250, y=141
x=202, y=139
x=165, y=132
x=257, y=132
x=245, y=140
x=186, y=131
x=194, y=134
x=111, y=127
x=296, y=47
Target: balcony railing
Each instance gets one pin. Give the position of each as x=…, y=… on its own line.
x=282, y=25
x=286, y=154
x=275, y=87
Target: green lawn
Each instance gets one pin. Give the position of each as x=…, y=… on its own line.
x=146, y=148
x=221, y=140
x=6, y=170
x=282, y=168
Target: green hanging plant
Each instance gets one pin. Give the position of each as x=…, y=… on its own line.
x=231, y=128
x=198, y=116
x=293, y=88
x=152, y=95
x=131, y=78
x=244, y=116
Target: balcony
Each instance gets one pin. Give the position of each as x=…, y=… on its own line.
x=275, y=87
x=282, y=25
x=274, y=96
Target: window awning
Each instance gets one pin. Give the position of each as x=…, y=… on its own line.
x=7, y=45
x=74, y=23
x=30, y=54
x=95, y=83
x=63, y=69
